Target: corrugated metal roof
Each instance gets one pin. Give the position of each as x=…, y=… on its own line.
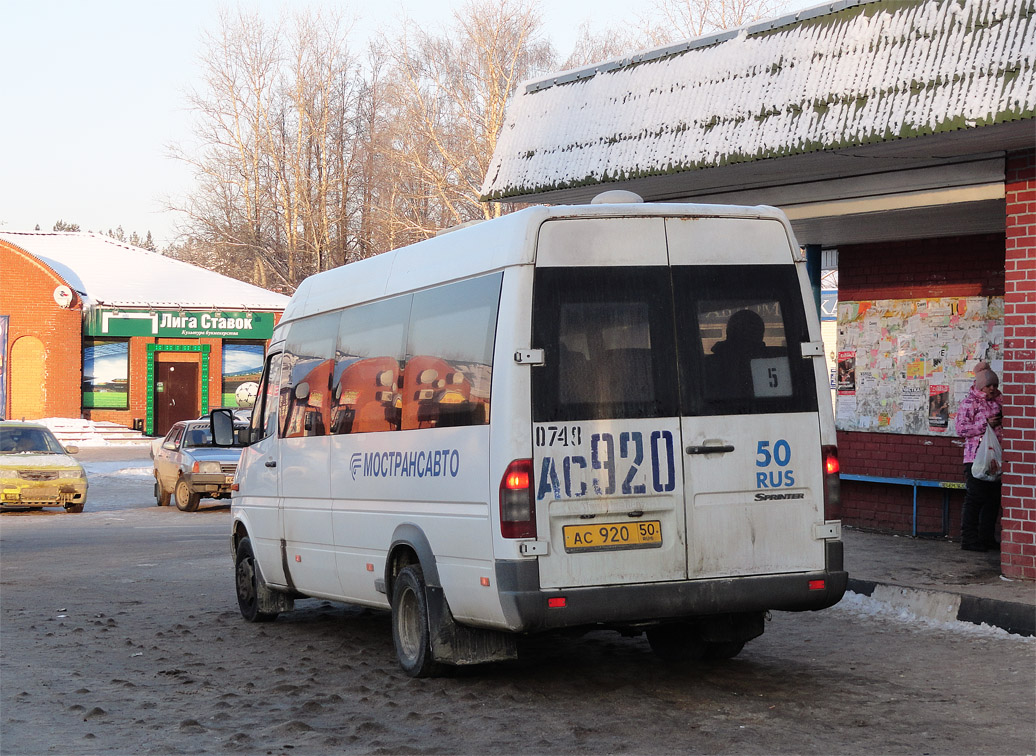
x=106, y=271
x=844, y=74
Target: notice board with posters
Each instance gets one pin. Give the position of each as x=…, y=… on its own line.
x=903, y=365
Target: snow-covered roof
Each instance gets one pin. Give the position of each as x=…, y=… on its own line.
x=842, y=74
x=107, y=272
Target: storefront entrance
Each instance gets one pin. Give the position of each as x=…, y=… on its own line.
x=176, y=394
x=176, y=374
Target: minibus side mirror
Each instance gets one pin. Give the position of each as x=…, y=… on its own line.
x=221, y=423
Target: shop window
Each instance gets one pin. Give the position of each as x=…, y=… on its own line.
x=106, y=374
x=242, y=364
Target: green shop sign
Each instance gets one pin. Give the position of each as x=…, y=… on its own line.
x=111, y=321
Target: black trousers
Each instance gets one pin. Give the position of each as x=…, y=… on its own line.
x=981, y=508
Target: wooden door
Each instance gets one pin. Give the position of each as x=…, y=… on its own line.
x=28, y=383
x=176, y=394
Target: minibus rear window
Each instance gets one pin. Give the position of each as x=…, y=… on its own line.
x=608, y=343
x=739, y=335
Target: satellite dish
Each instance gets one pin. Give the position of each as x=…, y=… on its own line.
x=63, y=297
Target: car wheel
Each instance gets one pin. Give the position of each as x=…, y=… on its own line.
x=75, y=508
x=676, y=642
x=410, y=632
x=186, y=499
x=246, y=577
x=161, y=495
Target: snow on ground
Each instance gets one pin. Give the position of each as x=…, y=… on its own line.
x=88, y=429
x=120, y=469
x=867, y=607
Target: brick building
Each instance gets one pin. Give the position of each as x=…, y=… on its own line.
x=93, y=328
x=898, y=137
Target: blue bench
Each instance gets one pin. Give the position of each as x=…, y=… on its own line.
x=916, y=483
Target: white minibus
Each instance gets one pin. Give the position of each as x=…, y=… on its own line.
x=603, y=416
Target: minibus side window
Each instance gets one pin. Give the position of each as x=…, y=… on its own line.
x=305, y=402
x=366, y=386
x=740, y=330
x=607, y=336
x=449, y=367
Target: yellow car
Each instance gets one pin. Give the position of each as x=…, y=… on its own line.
x=37, y=471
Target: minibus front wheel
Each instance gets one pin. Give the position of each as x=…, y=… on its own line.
x=246, y=578
x=411, y=634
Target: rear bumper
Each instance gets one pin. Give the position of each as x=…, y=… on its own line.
x=526, y=610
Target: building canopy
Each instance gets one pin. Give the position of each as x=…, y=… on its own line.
x=838, y=76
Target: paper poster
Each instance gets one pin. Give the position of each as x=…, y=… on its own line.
x=846, y=372
x=846, y=407
x=913, y=397
x=938, y=407
x=867, y=380
x=907, y=364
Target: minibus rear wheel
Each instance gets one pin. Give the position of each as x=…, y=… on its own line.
x=676, y=642
x=723, y=649
x=410, y=632
x=246, y=577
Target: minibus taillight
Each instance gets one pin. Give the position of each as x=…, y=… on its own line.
x=832, y=484
x=517, y=509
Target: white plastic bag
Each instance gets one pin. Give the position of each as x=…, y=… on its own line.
x=988, y=457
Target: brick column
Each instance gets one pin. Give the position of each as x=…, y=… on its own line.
x=1018, y=554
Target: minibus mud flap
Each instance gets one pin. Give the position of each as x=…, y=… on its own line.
x=453, y=643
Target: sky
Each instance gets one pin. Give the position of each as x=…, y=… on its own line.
x=93, y=96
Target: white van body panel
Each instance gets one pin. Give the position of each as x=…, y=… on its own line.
x=442, y=488
x=306, y=513
x=506, y=241
x=257, y=503
x=597, y=242
x=598, y=475
x=734, y=526
x=727, y=241
x=510, y=434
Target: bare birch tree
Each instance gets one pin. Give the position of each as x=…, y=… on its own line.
x=308, y=158
x=670, y=21
x=596, y=46
x=275, y=128
x=451, y=92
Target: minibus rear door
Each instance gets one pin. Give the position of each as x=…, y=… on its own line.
x=752, y=465
x=606, y=451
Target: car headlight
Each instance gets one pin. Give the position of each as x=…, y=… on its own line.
x=207, y=467
x=78, y=472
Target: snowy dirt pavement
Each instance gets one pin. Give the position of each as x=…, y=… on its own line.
x=121, y=635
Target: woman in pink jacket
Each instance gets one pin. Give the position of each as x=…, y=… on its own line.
x=982, y=407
